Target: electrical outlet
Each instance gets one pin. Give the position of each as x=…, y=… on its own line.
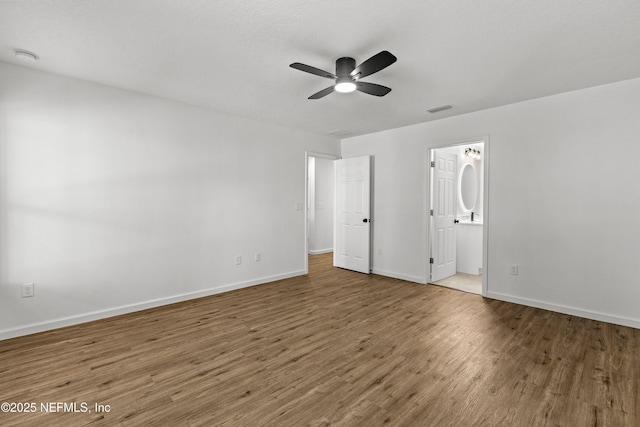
x=28, y=290
x=258, y=257
x=514, y=269
x=238, y=260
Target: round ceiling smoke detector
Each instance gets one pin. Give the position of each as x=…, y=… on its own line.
x=25, y=55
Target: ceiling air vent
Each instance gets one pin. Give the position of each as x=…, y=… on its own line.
x=339, y=133
x=440, y=108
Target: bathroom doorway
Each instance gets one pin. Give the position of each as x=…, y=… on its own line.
x=457, y=215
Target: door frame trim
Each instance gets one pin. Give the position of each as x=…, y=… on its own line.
x=319, y=155
x=485, y=201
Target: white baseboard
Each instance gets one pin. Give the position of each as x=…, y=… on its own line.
x=593, y=315
x=320, y=251
x=400, y=276
x=130, y=308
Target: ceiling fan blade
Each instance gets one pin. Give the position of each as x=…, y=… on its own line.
x=372, y=88
x=374, y=64
x=322, y=93
x=312, y=70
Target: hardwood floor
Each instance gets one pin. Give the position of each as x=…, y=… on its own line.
x=331, y=348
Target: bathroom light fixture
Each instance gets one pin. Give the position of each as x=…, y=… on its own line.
x=472, y=153
x=25, y=55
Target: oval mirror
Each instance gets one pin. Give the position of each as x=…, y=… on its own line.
x=468, y=187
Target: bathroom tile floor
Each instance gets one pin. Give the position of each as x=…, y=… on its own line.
x=462, y=282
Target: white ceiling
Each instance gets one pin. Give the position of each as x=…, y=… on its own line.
x=233, y=56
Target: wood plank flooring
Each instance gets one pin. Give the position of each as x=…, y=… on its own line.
x=331, y=348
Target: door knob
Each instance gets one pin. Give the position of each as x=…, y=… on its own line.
x=455, y=221
x=365, y=220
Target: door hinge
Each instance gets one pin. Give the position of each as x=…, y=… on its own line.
x=433, y=164
x=430, y=260
x=431, y=212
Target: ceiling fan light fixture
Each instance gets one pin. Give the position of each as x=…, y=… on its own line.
x=347, y=76
x=345, y=86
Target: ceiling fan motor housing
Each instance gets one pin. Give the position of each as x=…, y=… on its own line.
x=344, y=67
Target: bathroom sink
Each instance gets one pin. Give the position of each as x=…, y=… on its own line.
x=469, y=222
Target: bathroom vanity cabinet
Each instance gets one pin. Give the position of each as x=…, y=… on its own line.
x=469, y=247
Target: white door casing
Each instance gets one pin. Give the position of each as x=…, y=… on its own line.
x=444, y=207
x=352, y=219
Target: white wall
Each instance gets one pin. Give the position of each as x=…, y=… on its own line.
x=563, y=199
x=321, y=205
x=112, y=201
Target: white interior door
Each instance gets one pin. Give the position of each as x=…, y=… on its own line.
x=352, y=220
x=444, y=206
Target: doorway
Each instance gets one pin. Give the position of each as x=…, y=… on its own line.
x=457, y=199
x=319, y=204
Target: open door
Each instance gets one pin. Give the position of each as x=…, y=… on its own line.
x=352, y=219
x=444, y=208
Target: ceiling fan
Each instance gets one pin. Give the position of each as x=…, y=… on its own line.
x=348, y=76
